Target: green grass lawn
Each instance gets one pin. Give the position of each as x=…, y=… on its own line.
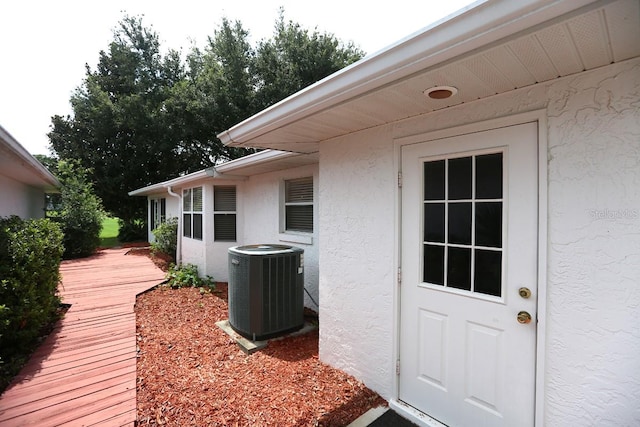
x=109, y=234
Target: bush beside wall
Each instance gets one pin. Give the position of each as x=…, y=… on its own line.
x=30, y=255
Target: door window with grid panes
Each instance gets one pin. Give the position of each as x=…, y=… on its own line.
x=463, y=227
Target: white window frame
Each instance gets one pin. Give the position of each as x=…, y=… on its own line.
x=222, y=212
x=191, y=211
x=289, y=201
x=158, y=209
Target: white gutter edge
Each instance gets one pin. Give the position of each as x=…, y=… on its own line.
x=481, y=24
x=21, y=152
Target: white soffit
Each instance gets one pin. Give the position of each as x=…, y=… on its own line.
x=494, y=47
x=17, y=164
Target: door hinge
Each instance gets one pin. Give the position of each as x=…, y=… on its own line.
x=399, y=276
x=399, y=179
x=398, y=367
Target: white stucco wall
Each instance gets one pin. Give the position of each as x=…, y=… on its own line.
x=263, y=219
x=592, y=343
x=259, y=202
x=19, y=199
x=217, y=253
x=593, y=347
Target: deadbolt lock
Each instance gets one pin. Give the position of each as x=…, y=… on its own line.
x=524, y=292
x=524, y=317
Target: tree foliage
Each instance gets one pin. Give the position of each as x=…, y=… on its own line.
x=80, y=213
x=142, y=117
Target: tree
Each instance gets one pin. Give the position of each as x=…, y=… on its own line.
x=120, y=128
x=142, y=117
x=296, y=58
x=80, y=213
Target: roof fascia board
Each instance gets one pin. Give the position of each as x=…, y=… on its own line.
x=481, y=24
x=14, y=146
x=221, y=171
x=261, y=157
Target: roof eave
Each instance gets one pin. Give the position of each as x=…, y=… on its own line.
x=478, y=25
x=50, y=182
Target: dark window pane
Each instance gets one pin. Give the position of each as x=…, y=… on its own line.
x=488, y=274
x=459, y=268
x=489, y=176
x=152, y=216
x=299, y=218
x=434, y=222
x=224, y=227
x=197, y=226
x=434, y=180
x=460, y=223
x=186, y=225
x=460, y=178
x=434, y=264
x=489, y=224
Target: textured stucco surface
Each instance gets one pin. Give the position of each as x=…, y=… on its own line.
x=592, y=335
x=593, y=348
x=357, y=208
x=19, y=199
x=263, y=220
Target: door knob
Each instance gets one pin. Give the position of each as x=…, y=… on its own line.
x=524, y=317
x=524, y=292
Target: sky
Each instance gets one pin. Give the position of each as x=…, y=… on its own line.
x=44, y=44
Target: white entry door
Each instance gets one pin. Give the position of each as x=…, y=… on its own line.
x=469, y=274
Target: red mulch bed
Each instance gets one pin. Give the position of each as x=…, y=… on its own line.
x=190, y=372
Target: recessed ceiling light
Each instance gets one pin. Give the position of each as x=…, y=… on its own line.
x=441, y=92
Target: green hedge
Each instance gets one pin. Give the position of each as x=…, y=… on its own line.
x=30, y=255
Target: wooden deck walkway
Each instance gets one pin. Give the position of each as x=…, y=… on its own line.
x=84, y=374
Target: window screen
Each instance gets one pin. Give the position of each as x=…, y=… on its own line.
x=224, y=213
x=299, y=204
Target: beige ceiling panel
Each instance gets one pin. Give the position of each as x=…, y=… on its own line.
x=534, y=58
x=503, y=59
x=492, y=77
x=623, y=23
x=561, y=49
x=591, y=39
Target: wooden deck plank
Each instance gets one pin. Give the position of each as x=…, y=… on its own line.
x=84, y=373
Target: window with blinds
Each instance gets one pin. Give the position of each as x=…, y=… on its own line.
x=298, y=204
x=224, y=213
x=192, y=213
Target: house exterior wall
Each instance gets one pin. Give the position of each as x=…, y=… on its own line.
x=259, y=207
x=263, y=199
x=19, y=199
x=216, y=254
x=209, y=256
x=592, y=372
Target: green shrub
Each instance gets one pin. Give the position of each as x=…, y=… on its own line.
x=186, y=275
x=166, y=237
x=81, y=211
x=132, y=231
x=30, y=254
